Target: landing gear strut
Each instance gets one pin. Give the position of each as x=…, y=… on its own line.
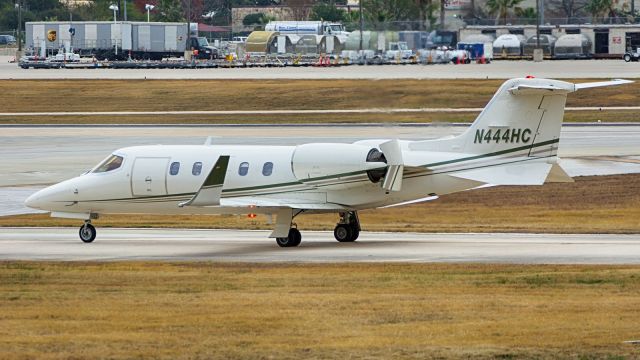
x=348, y=228
x=293, y=239
x=87, y=232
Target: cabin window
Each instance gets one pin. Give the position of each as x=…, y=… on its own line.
x=243, y=169
x=197, y=168
x=109, y=164
x=174, y=168
x=267, y=168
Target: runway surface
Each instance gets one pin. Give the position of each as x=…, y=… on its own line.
x=62, y=244
x=496, y=70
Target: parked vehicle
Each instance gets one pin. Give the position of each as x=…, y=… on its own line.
x=547, y=42
x=478, y=51
x=572, y=46
x=632, y=55
x=306, y=28
x=7, y=40
x=398, y=50
x=118, y=41
x=508, y=46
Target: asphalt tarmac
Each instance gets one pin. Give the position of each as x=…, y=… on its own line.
x=63, y=244
x=565, y=69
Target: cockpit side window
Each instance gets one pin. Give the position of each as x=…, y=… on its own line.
x=109, y=164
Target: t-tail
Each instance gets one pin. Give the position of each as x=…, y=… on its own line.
x=515, y=139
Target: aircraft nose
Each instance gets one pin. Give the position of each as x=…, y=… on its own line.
x=35, y=200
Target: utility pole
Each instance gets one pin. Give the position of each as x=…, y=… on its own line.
x=19, y=5
x=538, y=24
x=125, y=10
x=361, y=24
x=189, y=20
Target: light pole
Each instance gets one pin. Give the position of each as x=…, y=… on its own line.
x=114, y=7
x=148, y=7
x=361, y=24
x=19, y=6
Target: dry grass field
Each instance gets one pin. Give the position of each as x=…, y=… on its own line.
x=356, y=311
x=167, y=95
x=595, y=204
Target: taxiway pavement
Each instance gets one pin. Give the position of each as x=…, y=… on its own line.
x=62, y=244
x=616, y=68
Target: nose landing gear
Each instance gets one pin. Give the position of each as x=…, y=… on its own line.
x=87, y=232
x=348, y=228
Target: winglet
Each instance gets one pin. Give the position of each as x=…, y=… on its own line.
x=211, y=189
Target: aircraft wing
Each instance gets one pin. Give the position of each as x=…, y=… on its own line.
x=251, y=202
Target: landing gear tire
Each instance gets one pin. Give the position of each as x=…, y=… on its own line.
x=343, y=233
x=87, y=233
x=294, y=239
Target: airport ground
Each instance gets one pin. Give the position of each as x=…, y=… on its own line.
x=165, y=309
x=27, y=96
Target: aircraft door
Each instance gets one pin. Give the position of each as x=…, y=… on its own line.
x=149, y=177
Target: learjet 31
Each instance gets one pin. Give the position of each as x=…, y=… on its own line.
x=513, y=141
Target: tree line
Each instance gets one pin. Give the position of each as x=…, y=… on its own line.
x=427, y=14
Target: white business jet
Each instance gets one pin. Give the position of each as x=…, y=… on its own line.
x=514, y=141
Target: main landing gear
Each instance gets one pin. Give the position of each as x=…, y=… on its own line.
x=293, y=239
x=87, y=232
x=348, y=228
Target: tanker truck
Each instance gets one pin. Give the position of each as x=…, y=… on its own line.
x=306, y=28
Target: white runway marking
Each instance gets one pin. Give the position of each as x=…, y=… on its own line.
x=63, y=244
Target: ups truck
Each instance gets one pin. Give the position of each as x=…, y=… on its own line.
x=118, y=40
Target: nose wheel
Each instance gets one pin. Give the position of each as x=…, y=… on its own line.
x=87, y=232
x=348, y=228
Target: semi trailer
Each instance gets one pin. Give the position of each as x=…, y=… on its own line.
x=118, y=40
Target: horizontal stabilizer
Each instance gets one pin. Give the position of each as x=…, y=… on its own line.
x=509, y=174
x=523, y=89
x=602, y=83
x=211, y=189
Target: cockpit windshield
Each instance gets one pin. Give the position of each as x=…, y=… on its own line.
x=111, y=163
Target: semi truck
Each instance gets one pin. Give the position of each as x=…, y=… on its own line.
x=118, y=40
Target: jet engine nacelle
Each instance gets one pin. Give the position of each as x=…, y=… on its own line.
x=337, y=166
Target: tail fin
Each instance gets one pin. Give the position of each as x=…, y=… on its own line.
x=524, y=113
x=521, y=122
